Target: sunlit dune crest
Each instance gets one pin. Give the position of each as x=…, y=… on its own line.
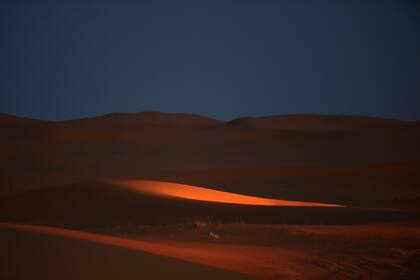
x=183, y=191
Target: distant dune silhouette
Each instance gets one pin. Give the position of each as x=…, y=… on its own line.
x=315, y=122
x=339, y=159
x=355, y=160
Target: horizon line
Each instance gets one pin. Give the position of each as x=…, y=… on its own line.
x=205, y=116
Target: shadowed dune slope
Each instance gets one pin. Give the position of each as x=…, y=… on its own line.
x=88, y=205
x=154, y=145
x=32, y=253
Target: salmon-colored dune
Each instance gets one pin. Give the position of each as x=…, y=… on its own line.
x=263, y=251
x=184, y=191
x=35, y=252
x=138, y=202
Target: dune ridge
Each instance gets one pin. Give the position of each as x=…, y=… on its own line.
x=106, y=204
x=184, y=191
x=153, y=145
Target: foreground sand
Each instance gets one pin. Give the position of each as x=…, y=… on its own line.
x=375, y=251
x=30, y=252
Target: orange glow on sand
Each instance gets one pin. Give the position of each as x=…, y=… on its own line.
x=183, y=191
x=212, y=255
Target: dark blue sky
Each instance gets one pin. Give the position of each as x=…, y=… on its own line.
x=224, y=59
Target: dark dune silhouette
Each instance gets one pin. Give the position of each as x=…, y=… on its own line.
x=148, y=120
x=315, y=122
x=344, y=159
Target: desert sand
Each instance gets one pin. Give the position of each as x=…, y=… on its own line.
x=371, y=251
x=122, y=203
x=278, y=197
x=30, y=252
x=345, y=159
x=379, y=251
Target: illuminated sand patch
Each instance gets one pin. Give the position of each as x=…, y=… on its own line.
x=183, y=191
x=191, y=267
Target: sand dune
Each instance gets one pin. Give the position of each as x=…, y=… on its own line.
x=288, y=252
x=372, y=251
x=315, y=122
x=247, y=170
x=32, y=252
x=183, y=191
x=185, y=148
x=87, y=205
x=146, y=120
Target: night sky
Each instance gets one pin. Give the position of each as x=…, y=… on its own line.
x=224, y=59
